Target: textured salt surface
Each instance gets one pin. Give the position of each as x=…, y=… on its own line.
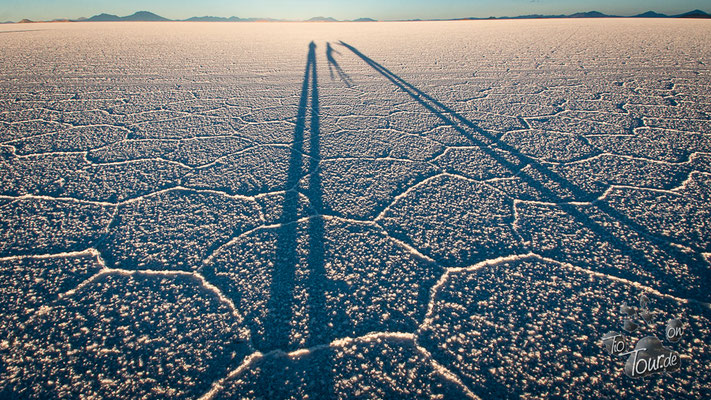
x=430, y=209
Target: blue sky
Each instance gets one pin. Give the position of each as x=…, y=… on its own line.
x=14, y=10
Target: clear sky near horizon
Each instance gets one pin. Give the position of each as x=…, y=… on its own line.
x=14, y=10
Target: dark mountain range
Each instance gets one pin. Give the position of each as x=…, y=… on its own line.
x=590, y=14
x=322, y=19
x=597, y=14
x=693, y=14
x=104, y=17
x=651, y=14
x=144, y=16
x=214, y=19
x=137, y=16
x=149, y=16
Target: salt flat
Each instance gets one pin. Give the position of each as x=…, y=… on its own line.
x=351, y=210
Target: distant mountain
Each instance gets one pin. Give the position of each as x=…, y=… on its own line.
x=214, y=19
x=149, y=16
x=321, y=19
x=144, y=16
x=597, y=14
x=651, y=14
x=590, y=14
x=694, y=14
x=104, y=17
x=137, y=16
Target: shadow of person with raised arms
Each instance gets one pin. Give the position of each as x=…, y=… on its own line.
x=333, y=64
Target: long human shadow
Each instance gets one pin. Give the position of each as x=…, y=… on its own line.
x=317, y=272
x=280, y=307
x=485, y=142
x=333, y=64
x=318, y=281
x=277, y=327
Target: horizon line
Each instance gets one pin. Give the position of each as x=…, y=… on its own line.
x=697, y=13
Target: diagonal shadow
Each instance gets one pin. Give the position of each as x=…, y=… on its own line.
x=332, y=63
x=486, y=140
x=329, y=57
